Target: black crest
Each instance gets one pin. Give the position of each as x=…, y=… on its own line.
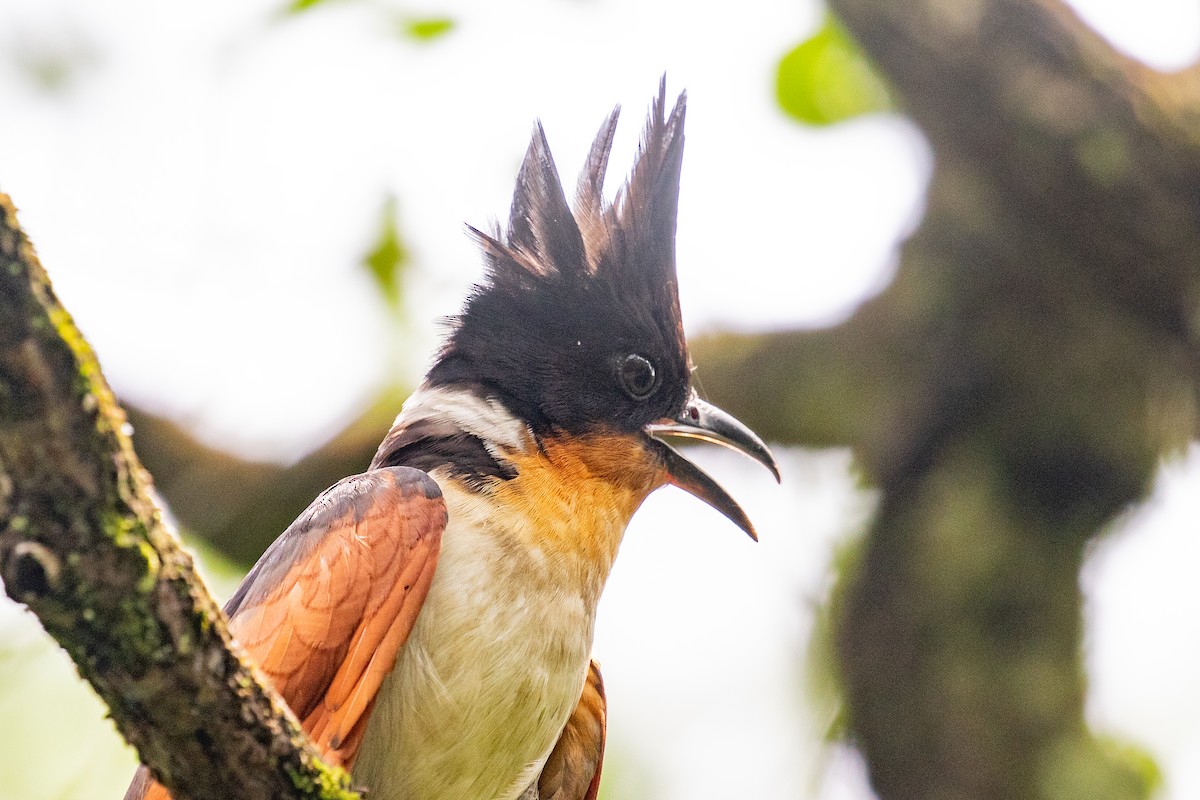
x=572, y=293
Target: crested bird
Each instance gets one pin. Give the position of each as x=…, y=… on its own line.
x=430, y=621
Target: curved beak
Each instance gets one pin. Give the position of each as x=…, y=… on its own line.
x=701, y=420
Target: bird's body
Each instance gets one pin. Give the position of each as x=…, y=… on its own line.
x=430, y=621
x=499, y=654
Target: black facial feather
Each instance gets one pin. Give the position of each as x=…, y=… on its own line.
x=570, y=294
x=540, y=223
x=429, y=444
x=589, y=195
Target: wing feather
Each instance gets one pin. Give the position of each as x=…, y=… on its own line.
x=572, y=772
x=327, y=608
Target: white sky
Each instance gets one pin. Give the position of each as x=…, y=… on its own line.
x=217, y=173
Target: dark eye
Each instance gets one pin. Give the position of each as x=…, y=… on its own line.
x=638, y=376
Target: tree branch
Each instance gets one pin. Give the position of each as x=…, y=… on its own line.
x=1034, y=359
x=83, y=546
x=237, y=505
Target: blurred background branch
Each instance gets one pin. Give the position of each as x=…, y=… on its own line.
x=239, y=505
x=1052, y=286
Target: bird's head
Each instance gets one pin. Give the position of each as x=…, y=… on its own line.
x=577, y=328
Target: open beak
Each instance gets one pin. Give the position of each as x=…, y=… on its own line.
x=701, y=420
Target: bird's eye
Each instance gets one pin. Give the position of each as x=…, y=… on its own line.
x=638, y=376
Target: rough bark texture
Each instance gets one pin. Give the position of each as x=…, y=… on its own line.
x=83, y=546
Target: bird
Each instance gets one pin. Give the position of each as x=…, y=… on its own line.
x=430, y=620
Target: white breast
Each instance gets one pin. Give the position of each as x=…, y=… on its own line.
x=493, y=668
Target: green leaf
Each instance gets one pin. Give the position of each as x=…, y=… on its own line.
x=55, y=65
x=1140, y=769
x=426, y=30
x=297, y=6
x=388, y=257
x=827, y=79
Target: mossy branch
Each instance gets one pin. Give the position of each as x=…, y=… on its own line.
x=82, y=544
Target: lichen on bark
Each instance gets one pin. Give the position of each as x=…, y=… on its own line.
x=83, y=545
